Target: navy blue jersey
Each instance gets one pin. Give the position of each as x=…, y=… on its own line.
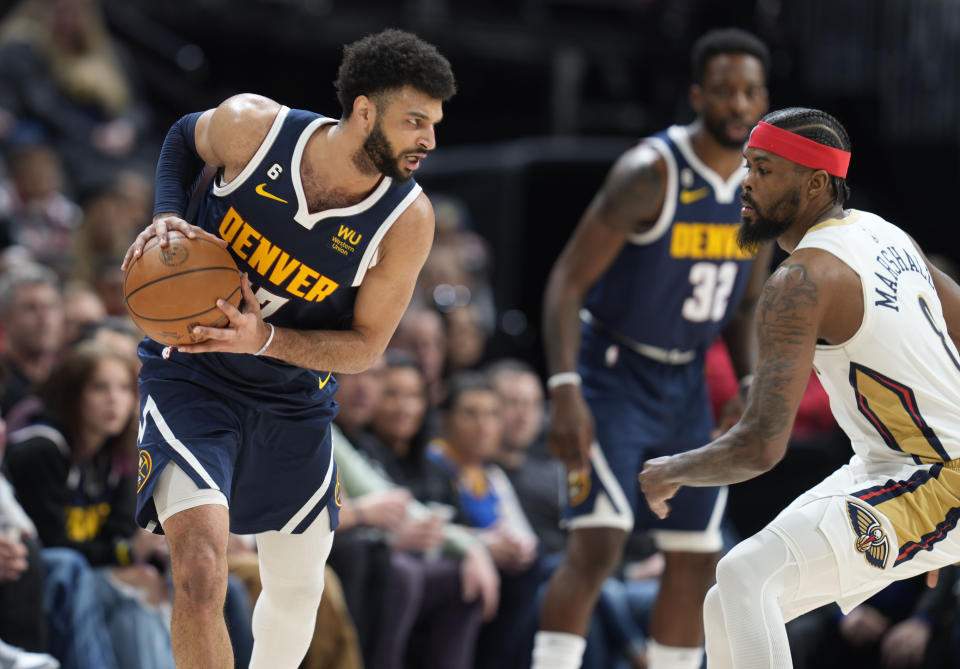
x=676, y=285
x=305, y=267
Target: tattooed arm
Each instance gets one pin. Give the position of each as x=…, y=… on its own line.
x=789, y=313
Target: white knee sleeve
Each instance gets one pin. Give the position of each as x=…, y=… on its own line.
x=715, y=632
x=750, y=581
x=291, y=572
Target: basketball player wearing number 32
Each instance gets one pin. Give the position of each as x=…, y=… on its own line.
x=858, y=300
x=654, y=272
x=330, y=229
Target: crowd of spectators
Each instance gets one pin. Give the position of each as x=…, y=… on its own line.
x=452, y=517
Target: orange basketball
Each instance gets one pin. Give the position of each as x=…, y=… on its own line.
x=168, y=291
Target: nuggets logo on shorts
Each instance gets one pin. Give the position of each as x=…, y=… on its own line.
x=144, y=467
x=871, y=540
x=578, y=486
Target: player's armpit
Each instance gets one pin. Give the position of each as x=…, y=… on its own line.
x=230, y=135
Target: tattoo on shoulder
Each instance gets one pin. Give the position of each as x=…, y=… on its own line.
x=784, y=304
x=632, y=189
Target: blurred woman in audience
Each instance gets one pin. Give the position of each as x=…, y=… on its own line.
x=74, y=471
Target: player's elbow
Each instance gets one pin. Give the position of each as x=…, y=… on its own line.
x=769, y=455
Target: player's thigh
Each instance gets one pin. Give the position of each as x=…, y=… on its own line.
x=286, y=474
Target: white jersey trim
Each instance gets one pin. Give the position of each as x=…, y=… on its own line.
x=709, y=540
x=223, y=189
x=150, y=409
x=665, y=220
x=312, y=502
x=370, y=256
x=723, y=191
x=611, y=508
x=303, y=215
x=811, y=240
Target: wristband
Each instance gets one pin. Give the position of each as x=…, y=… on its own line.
x=564, y=379
x=268, y=342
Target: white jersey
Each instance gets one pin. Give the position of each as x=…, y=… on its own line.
x=894, y=386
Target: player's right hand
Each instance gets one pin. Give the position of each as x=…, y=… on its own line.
x=570, y=428
x=160, y=227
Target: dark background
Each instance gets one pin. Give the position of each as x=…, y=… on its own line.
x=551, y=91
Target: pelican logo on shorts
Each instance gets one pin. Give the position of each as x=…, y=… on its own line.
x=144, y=468
x=336, y=492
x=174, y=254
x=578, y=486
x=871, y=540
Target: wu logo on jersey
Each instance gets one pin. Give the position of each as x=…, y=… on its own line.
x=346, y=240
x=871, y=540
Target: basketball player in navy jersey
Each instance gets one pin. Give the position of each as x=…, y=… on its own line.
x=650, y=277
x=330, y=231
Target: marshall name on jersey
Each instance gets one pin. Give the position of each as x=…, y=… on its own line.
x=894, y=386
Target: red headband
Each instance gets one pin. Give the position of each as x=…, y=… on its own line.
x=799, y=149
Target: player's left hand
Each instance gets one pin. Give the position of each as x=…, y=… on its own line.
x=245, y=333
x=655, y=486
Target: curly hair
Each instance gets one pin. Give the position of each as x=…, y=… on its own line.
x=389, y=60
x=723, y=41
x=822, y=128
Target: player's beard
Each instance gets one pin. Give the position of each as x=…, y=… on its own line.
x=377, y=155
x=763, y=226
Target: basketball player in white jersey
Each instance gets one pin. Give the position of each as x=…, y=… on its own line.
x=858, y=300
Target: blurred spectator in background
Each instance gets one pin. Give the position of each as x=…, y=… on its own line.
x=359, y=396
x=466, y=338
x=82, y=308
x=905, y=626
x=75, y=474
x=113, y=214
x=427, y=581
x=422, y=334
x=60, y=69
x=38, y=214
x=22, y=622
x=456, y=272
x=486, y=501
x=31, y=309
x=540, y=481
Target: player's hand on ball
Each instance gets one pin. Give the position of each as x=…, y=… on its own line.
x=655, y=486
x=244, y=333
x=160, y=227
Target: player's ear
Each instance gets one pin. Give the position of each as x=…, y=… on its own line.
x=696, y=98
x=365, y=111
x=817, y=183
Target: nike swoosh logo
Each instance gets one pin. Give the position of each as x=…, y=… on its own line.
x=261, y=191
x=324, y=382
x=686, y=196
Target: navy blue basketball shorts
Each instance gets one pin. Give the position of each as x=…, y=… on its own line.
x=643, y=409
x=276, y=471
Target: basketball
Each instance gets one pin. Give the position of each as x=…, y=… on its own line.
x=168, y=291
